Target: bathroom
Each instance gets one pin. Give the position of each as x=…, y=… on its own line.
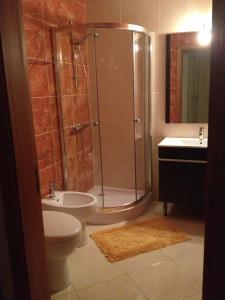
x=99, y=105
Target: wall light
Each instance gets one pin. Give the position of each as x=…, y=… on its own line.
x=204, y=36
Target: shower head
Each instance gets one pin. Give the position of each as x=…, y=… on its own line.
x=78, y=42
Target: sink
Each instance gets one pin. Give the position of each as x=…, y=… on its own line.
x=183, y=142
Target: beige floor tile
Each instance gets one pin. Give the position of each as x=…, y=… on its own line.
x=165, y=281
x=196, y=256
x=192, y=265
x=83, y=252
x=195, y=297
x=182, y=249
x=66, y=294
x=193, y=227
x=92, y=269
x=71, y=296
x=121, y=288
x=66, y=291
x=142, y=261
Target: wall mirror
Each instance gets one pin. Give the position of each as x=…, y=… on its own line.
x=187, y=79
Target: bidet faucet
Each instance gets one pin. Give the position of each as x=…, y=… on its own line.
x=201, y=134
x=51, y=189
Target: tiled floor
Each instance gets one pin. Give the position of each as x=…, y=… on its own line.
x=172, y=273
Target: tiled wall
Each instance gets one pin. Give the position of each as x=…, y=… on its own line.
x=43, y=95
x=160, y=17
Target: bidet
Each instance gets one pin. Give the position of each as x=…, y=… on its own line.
x=80, y=205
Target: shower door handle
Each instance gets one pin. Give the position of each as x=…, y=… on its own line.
x=95, y=123
x=137, y=120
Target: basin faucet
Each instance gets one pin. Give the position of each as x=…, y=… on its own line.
x=201, y=134
x=51, y=189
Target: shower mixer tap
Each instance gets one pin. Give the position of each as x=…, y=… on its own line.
x=79, y=126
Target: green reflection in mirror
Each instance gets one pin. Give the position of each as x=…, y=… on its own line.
x=195, y=85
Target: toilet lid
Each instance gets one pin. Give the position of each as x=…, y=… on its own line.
x=59, y=226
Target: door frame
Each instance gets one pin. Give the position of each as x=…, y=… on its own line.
x=19, y=193
x=20, y=201
x=214, y=258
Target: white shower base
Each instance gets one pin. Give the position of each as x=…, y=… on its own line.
x=114, y=197
x=119, y=205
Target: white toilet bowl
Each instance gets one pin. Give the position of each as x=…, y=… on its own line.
x=80, y=205
x=62, y=235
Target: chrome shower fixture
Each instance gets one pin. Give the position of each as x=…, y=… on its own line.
x=78, y=42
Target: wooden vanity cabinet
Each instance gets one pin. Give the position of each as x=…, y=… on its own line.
x=182, y=174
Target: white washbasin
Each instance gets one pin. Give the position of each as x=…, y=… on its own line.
x=183, y=142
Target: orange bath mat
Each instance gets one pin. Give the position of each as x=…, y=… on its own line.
x=126, y=241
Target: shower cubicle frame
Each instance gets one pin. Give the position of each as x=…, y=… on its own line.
x=71, y=28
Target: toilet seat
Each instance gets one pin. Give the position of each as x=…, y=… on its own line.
x=59, y=226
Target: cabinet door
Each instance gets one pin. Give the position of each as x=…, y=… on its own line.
x=181, y=182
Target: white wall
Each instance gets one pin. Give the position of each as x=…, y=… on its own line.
x=157, y=15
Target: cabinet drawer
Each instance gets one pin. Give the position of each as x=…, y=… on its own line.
x=183, y=153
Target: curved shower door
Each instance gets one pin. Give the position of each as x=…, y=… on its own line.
x=141, y=56
x=113, y=99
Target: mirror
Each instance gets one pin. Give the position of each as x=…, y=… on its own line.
x=187, y=79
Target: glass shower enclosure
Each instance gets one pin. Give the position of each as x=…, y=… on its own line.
x=120, y=110
x=117, y=71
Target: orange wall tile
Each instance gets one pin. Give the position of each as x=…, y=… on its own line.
x=43, y=93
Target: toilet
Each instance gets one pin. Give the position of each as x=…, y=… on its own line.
x=62, y=235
